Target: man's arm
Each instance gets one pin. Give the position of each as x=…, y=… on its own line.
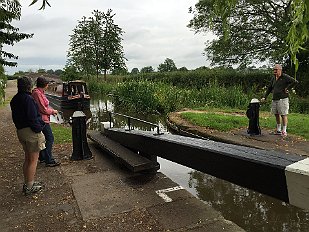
x=268, y=91
x=290, y=82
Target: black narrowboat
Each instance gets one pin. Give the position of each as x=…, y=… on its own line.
x=71, y=95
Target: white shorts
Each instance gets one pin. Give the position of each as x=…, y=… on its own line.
x=280, y=107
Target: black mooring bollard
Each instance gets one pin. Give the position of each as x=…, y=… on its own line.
x=253, y=115
x=80, y=145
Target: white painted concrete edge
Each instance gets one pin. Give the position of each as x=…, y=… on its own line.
x=297, y=179
x=163, y=195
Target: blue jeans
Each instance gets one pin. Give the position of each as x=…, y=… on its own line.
x=46, y=154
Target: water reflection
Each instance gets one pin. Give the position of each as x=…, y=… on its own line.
x=101, y=107
x=250, y=210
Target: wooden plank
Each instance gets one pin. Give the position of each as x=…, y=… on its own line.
x=131, y=160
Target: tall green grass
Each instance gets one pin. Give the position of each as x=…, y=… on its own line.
x=147, y=97
x=157, y=97
x=198, y=79
x=101, y=87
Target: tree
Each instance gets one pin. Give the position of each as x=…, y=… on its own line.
x=81, y=53
x=44, y=3
x=202, y=68
x=50, y=71
x=256, y=31
x=9, y=10
x=167, y=66
x=183, y=69
x=298, y=32
x=250, y=29
x=147, y=69
x=95, y=45
x=134, y=71
x=41, y=70
x=70, y=73
x=120, y=71
x=19, y=73
x=58, y=72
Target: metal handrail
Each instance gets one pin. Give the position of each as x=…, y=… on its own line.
x=129, y=121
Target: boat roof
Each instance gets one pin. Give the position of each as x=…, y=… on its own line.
x=76, y=81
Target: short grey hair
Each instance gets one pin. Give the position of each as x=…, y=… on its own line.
x=278, y=66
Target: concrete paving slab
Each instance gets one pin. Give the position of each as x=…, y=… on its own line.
x=101, y=195
x=111, y=194
x=183, y=213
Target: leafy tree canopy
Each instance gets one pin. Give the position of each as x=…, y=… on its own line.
x=95, y=45
x=120, y=71
x=183, y=69
x=9, y=10
x=147, y=69
x=249, y=30
x=41, y=70
x=167, y=66
x=134, y=71
x=70, y=73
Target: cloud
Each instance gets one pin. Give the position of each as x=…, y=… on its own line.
x=154, y=30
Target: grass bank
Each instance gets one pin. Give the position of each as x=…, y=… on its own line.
x=225, y=120
x=62, y=133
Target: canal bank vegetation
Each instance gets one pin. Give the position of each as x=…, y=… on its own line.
x=169, y=91
x=158, y=97
x=222, y=90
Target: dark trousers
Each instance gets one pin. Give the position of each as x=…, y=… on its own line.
x=46, y=154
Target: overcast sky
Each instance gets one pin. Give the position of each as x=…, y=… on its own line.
x=154, y=30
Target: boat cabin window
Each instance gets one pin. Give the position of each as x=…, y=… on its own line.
x=58, y=89
x=75, y=89
x=66, y=90
x=54, y=88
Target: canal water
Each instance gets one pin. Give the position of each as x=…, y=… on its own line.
x=250, y=210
